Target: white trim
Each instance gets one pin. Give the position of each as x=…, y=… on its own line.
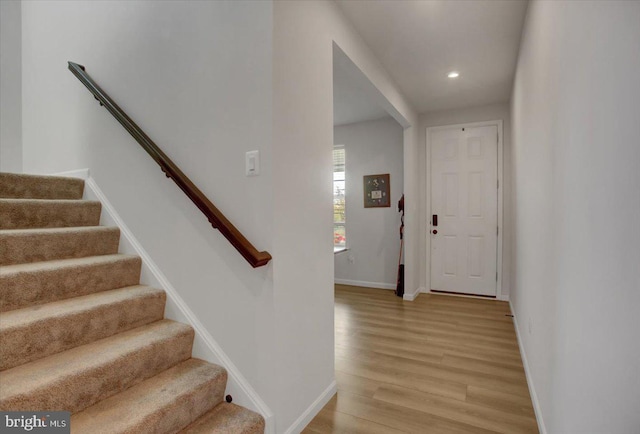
x=412, y=296
x=499, y=124
x=204, y=346
x=453, y=294
x=313, y=410
x=377, y=285
x=499, y=293
x=527, y=371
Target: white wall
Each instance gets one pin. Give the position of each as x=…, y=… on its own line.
x=196, y=76
x=576, y=159
x=452, y=117
x=10, y=86
x=373, y=240
x=304, y=33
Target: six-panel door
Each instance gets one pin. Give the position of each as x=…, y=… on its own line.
x=464, y=196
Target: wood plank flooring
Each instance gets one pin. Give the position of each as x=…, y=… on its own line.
x=440, y=364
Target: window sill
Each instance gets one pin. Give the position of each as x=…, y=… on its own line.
x=337, y=250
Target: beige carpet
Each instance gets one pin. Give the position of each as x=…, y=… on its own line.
x=78, y=332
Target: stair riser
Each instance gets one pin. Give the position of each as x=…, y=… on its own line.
x=18, y=214
x=163, y=404
x=84, y=388
x=33, y=340
x=39, y=187
x=22, y=248
x=186, y=408
x=227, y=418
x=19, y=290
x=167, y=417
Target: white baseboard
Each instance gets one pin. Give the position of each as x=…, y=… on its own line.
x=313, y=409
x=476, y=297
x=377, y=285
x=534, y=397
x=204, y=346
x=410, y=296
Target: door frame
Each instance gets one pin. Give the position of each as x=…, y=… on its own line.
x=427, y=222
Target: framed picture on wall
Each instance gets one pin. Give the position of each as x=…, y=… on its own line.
x=376, y=191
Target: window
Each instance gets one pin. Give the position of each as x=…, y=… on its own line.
x=339, y=233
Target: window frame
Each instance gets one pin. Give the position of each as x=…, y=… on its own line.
x=340, y=247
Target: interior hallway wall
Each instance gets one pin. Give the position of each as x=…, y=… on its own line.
x=169, y=65
x=11, y=86
x=373, y=147
x=576, y=196
x=304, y=37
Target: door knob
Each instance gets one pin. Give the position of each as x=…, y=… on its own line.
x=435, y=231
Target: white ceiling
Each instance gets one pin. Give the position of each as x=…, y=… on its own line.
x=420, y=41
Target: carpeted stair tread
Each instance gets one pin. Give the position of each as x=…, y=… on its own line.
x=227, y=418
x=162, y=404
x=22, y=186
x=42, y=213
x=19, y=246
x=78, y=378
x=35, y=332
x=78, y=332
x=24, y=285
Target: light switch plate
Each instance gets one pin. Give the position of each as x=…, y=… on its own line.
x=252, y=163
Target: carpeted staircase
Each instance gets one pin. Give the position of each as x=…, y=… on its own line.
x=78, y=332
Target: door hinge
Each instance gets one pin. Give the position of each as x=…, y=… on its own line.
x=497, y=230
x=496, y=276
x=498, y=184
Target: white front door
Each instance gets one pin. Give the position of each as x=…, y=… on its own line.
x=464, y=197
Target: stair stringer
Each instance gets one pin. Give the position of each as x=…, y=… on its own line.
x=205, y=346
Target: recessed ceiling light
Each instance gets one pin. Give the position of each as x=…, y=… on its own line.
x=453, y=74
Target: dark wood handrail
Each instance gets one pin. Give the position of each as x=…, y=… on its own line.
x=213, y=214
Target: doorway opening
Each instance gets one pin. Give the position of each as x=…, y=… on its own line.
x=368, y=181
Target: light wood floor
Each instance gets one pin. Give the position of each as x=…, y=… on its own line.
x=440, y=364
